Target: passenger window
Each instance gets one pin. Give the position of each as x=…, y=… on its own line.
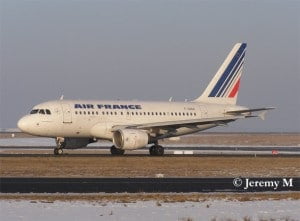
x=75, y=112
x=84, y=112
x=171, y=113
x=121, y=113
x=34, y=111
x=41, y=111
x=80, y=112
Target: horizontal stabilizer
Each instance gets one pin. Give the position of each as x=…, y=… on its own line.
x=249, y=110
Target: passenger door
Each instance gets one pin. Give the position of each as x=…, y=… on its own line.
x=67, y=114
x=204, y=112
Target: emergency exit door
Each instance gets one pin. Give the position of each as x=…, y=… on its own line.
x=67, y=115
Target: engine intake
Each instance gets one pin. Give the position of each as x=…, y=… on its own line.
x=130, y=139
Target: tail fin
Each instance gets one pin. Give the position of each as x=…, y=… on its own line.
x=224, y=87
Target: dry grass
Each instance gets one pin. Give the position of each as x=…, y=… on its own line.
x=132, y=166
x=160, y=198
x=270, y=139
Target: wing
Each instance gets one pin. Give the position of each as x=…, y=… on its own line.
x=180, y=123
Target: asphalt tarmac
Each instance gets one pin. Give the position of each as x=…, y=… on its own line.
x=47, y=151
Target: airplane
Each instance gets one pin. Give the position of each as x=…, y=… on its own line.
x=132, y=125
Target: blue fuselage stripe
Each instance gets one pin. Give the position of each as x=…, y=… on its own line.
x=224, y=76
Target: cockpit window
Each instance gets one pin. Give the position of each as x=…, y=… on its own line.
x=41, y=111
x=34, y=111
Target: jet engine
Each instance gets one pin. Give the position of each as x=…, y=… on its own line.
x=129, y=139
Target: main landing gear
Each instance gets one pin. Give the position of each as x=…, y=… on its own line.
x=60, y=144
x=156, y=150
x=116, y=151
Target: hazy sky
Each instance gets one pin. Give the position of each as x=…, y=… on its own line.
x=149, y=50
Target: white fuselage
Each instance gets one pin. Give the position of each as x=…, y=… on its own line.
x=95, y=119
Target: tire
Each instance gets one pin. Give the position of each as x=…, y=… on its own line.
x=159, y=151
x=58, y=151
x=156, y=150
x=152, y=150
x=116, y=151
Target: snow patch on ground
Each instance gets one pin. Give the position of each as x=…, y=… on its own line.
x=149, y=210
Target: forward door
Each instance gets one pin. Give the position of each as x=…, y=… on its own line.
x=67, y=114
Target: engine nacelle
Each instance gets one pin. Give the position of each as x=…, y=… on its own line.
x=75, y=143
x=130, y=139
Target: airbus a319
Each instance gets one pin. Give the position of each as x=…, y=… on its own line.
x=132, y=125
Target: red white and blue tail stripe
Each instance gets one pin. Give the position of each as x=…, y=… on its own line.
x=224, y=87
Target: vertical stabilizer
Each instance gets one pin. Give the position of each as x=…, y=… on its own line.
x=224, y=87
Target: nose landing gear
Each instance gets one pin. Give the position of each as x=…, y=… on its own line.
x=60, y=144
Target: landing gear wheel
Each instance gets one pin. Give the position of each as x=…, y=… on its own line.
x=152, y=150
x=160, y=150
x=58, y=151
x=156, y=150
x=116, y=151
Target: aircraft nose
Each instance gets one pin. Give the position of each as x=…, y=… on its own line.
x=23, y=124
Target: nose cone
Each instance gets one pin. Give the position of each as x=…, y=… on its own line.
x=23, y=124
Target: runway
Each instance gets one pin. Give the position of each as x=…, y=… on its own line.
x=149, y=185
x=182, y=150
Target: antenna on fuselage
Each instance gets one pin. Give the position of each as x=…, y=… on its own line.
x=170, y=99
x=61, y=97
